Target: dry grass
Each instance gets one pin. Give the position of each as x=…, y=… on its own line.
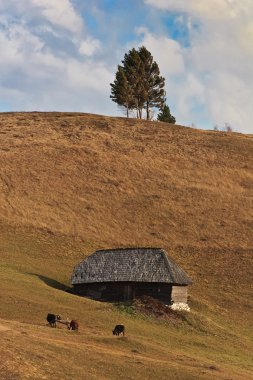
x=73, y=183
x=124, y=182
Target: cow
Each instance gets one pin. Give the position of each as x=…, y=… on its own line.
x=73, y=325
x=119, y=329
x=52, y=319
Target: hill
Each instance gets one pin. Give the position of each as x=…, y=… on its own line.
x=73, y=183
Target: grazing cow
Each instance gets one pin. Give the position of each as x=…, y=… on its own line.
x=73, y=325
x=119, y=329
x=52, y=319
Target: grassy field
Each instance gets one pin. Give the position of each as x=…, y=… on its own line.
x=215, y=340
x=74, y=183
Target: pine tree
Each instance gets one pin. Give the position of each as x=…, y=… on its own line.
x=165, y=115
x=153, y=83
x=138, y=84
x=133, y=69
x=121, y=92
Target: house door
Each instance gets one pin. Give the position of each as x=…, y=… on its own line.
x=128, y=292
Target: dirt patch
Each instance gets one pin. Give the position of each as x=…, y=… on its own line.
x=152, y=307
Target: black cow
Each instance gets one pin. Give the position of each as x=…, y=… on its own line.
x=73, y=325
x=119, y=329
x=52, y=319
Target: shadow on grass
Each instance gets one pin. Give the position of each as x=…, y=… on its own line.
x=51, y=282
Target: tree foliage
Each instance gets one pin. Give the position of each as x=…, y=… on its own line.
x=165, y=115
x=121, y=92
x=138, y=85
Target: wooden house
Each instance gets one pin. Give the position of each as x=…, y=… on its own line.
x=127, y=273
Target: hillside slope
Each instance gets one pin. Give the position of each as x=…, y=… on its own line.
x=73, y=183
x=125, y=182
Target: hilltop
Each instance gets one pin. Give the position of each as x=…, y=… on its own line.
x=72, y=183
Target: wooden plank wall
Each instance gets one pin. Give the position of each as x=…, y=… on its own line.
x=179, y=294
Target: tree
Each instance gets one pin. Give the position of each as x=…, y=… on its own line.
x=121, y=92
x=165, y=115
x=153, y=83
x=138, y=84
x=133, y=68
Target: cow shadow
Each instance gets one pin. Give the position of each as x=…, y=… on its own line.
x=51, y=282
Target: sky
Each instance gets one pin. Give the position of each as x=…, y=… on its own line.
x=62, y=55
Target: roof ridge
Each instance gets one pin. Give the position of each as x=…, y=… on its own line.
x=127, y=249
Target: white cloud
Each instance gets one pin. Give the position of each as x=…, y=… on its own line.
x=167, y=52
x=87, y=75
x=60, y=12
x=189, y=94
x=238, y=110
x=219, y=57
x=44, y=69
x=89, y=47
x=207, y=9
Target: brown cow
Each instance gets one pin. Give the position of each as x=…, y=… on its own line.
x=73, y=325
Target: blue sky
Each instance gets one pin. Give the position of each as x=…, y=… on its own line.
x=61, y=55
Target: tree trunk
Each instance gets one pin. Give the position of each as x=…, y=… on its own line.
x=147, y=111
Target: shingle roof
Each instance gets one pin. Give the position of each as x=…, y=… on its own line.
x=130, y=265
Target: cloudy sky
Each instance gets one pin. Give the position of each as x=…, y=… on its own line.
x=61, y=55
